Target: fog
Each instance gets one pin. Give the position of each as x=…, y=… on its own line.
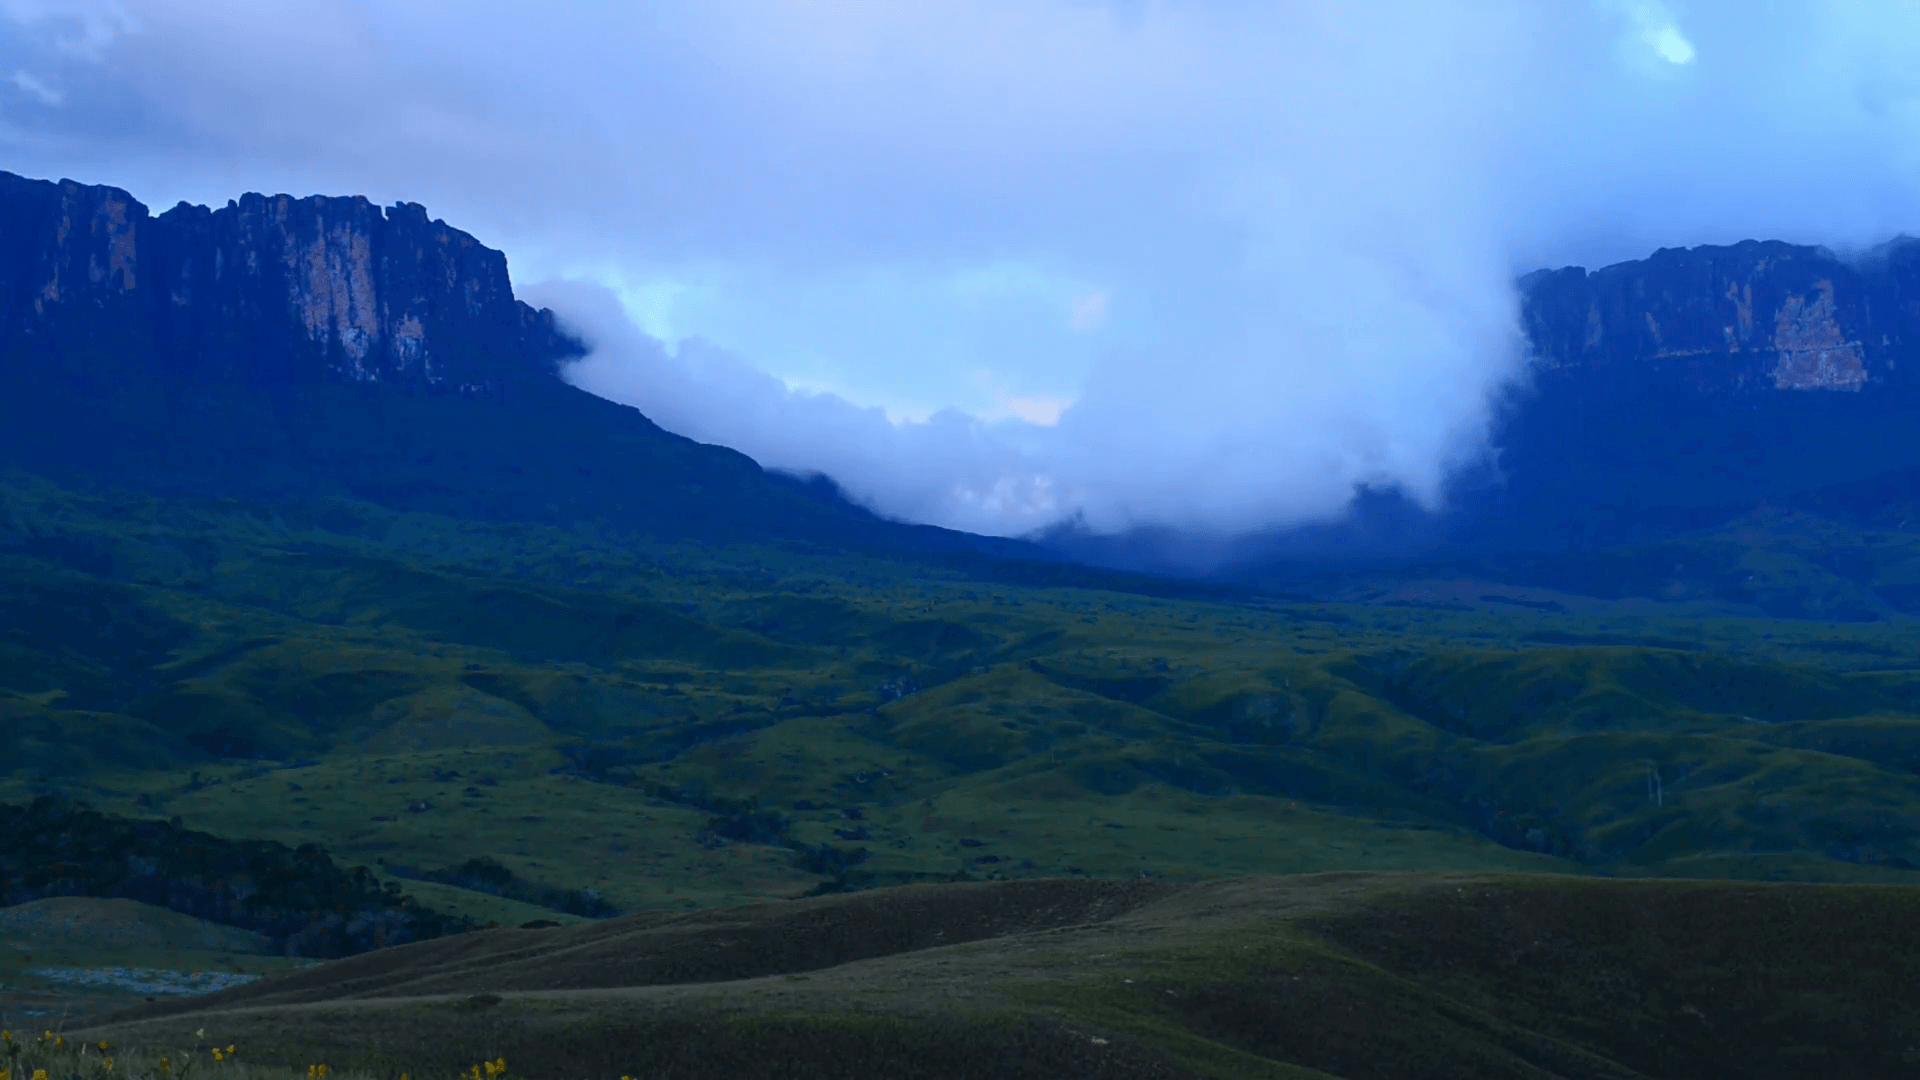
x=995, y=264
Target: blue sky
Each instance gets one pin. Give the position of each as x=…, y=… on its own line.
x=995, y=263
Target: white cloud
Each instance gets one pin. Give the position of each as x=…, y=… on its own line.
x=1658, y=30
x=1088, y=311
x=1311, y=213
x=34, y=88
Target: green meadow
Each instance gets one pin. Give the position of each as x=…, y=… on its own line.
x=679, y=726
x=947, y=816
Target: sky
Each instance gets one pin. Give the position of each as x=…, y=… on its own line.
x=999, y=264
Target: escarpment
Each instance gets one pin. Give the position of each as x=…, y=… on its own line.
x=1749, y=319
x=267, y=290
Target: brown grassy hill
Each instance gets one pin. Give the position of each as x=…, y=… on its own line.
x=1345, y=975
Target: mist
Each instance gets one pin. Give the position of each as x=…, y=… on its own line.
x=998, y=265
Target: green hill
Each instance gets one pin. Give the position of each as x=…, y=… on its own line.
x=674, y=726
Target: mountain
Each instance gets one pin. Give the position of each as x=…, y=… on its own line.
x=1663, y=397
x=1751, y=320
x=1684, y=389
x=265, y=292
x=281, y=348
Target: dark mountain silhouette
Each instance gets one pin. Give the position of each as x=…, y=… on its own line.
x=280, y=347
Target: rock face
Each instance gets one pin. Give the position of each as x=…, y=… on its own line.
x=1694, y=385
x=1730, y=321
x=265, y=291
x=288, y=348
x=299, y=349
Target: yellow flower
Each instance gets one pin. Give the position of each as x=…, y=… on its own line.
x=109, y=1063
x=104, y=1047
x=229, y=1049
x=217, y=1055
x=39, y=1074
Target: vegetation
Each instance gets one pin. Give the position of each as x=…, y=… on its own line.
x=303, y=903
x=681, y=727
x=1394, y=977
x=51, y=1054
x=529, y=725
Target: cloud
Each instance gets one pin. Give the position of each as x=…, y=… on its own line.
x=1089, y=311
x=35, y=89
x=711, y=395
x=1659, y=31
x=1040, y=411
x=1310, y=213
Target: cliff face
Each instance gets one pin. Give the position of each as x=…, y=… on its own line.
x=1688, y=387
x=264, y=291
x=294, y=349
x=1718, y=321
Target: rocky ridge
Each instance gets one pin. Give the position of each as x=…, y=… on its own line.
x=267, y=290
x=1737, y=320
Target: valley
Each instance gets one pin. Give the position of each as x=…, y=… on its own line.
x=372, y=695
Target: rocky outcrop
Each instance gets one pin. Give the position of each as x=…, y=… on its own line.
x=265, y=290
x=1753, y=318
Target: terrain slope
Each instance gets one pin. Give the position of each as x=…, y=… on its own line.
x=1346, y=975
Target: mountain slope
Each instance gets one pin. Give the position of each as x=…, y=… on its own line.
x=1418, y=977
x=1663, y=397
x=278, y=348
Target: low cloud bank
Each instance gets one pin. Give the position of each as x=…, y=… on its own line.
x=1275, y=244
x=950, y=469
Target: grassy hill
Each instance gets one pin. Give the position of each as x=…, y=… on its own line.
x=679, y=726
x=1331, y=975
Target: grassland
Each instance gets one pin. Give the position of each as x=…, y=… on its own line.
x=896, y=748
x=1392, y=977
x=681, y=727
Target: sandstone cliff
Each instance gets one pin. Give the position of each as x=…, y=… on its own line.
x=265, y=290
x=1740, y=320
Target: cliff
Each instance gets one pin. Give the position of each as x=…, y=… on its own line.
x=264, y=291
x=1748, y=319
x=1687, y=388
x=294, y=349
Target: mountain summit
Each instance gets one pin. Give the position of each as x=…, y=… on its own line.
x=269, y=291
x=1745, y=319
x=1694, y=385
x=280, y=347
x=301, y=348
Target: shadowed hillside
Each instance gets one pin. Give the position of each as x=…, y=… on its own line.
x=1334, y=975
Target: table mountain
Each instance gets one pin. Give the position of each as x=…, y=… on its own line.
x=1685, y=388
x=280, y=347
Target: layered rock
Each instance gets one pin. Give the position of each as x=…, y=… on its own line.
x=265, y=290
x=1747, y=319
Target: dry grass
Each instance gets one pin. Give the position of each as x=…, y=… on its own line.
x=1387, y=976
